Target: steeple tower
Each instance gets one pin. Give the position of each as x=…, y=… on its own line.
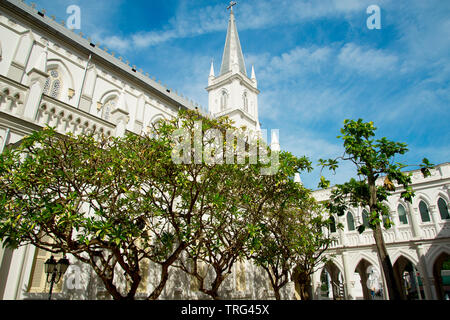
x=232, y=93
x=233, y=59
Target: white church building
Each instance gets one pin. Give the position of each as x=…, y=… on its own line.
x=50, y=75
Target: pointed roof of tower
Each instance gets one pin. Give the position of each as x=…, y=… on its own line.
x=211, y=72
x=232, y=54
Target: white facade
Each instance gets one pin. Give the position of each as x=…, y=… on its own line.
x=51, y=76
x=415, y=237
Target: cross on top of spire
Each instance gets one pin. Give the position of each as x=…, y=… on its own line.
x=232, y=4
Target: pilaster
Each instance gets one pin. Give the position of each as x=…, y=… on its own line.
x=422, y=266
x=414, y=213
x=21, y=56
x=348, y=276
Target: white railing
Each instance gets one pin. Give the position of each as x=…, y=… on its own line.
x=12, y=96
x=405, y=233
x=51, y=112
x=66, y=118
x=395, y=234
x=428, y=231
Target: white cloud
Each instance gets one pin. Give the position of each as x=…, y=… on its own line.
x=147, y=39
x=259, y=14
x=116, y=43
x=371, y=62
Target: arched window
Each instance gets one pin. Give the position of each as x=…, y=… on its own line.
x=245, y=101
x=365, y=218
x=424, y=212
x=53, y=84
x=443, y=209
x=350, y=221
x=402, y=214
x=332, y=224
x=108, y=107
x=223, y=101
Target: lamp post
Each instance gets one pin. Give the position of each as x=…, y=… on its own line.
x=55, y=271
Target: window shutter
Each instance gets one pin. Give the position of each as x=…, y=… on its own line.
x=38, y=278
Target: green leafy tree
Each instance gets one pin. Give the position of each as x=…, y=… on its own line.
x=311, y=248
x=373, y=159
x=227, y=215
x=233, y=211
x=72, y=195
x=113, y=203
x=291, y=242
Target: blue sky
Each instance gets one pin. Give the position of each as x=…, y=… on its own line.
x=316, y=63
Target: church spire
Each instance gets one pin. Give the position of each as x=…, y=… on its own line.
x=233, y=59
x=211, y=72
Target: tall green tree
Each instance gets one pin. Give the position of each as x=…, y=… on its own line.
x=374, y=159
x=242, y=193
x=113, y=203
x=291, y=241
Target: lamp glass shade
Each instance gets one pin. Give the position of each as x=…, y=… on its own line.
x=63, y=264
x=50, y=265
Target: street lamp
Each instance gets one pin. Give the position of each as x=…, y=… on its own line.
x=55, y=271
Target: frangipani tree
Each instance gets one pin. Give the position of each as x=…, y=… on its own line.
x=113, y=203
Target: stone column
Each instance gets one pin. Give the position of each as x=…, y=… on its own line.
x=415, y=221
x=120, y=115
x=436, y=217
x=37, y=77
x=424, y=275
x=396, y=220
x=315, y=283
x=3, y=143
x=348, y=277
x=21, y=56
x=88, y=89
x=340, y=231
x=14, y=275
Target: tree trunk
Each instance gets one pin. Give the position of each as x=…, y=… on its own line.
x=392, y=279
x=162, y=283
x=393, y=283
x=304, y=289
x=165, y=271
x=213, y=293
x=276, y=291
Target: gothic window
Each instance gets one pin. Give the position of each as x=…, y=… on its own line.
x=223, y=101
x=108, y=107
x=365, y=218
x=402, y=214
x=443, y=209
x=332, y=224
x=350, y=221
x=53, y=84
x=245, y=101
x=424, y=212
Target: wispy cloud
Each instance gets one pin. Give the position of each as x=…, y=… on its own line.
x=368, y=62
x=316, y=64
x=251, y=15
